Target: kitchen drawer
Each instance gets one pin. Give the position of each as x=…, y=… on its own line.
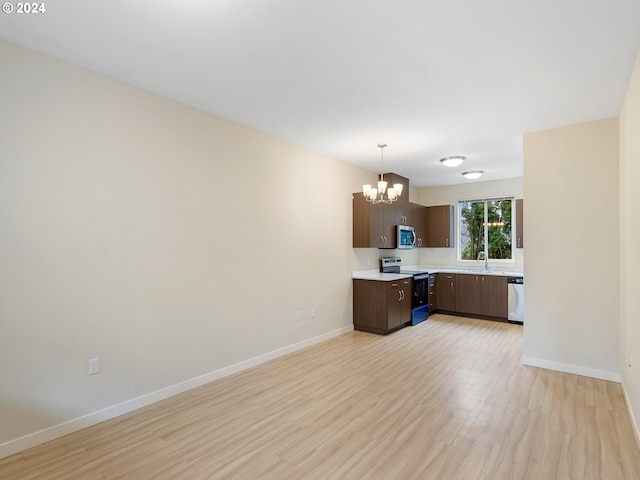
x=397, y=284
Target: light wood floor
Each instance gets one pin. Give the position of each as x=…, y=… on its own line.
x=446, y=399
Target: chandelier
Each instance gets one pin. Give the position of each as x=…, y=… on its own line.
x=377, y=195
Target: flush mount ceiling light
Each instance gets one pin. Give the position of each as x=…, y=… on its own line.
x=473, y=174
x=453, y=161
x=377, y=195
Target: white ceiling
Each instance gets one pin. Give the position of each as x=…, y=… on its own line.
x=430, y=78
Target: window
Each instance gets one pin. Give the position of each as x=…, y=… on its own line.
x=484, y=228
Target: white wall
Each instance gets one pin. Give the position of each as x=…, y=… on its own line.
x=168, y=242
x=451, y=195
x=572, y=255
x=177, y=246
x=629, y=235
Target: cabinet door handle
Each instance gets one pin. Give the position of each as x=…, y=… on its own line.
x=446, y=242
x=452, y=286
x=381, y=241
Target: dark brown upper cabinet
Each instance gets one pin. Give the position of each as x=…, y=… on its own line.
x=374, y=226
x=419, y=223
x=440, y=226
x=519, y=223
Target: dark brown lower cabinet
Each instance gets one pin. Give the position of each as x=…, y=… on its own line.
x=495, y=300
x=482, y=295
x=468, y=298
x=446, y=286
x=381, y=306
x=433, y=293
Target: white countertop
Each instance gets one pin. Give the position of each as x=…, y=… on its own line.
x=375, y=274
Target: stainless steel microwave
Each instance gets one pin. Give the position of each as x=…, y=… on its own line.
x=406, y=237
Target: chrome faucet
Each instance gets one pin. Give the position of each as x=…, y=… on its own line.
x=486, y=260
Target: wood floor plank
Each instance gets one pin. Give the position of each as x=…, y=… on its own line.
x=445, y=399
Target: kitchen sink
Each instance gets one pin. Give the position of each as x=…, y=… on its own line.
x=486, y=272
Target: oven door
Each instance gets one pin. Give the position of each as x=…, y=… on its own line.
x=420, y=290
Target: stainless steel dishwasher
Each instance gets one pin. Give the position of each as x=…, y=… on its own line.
x=516, y=299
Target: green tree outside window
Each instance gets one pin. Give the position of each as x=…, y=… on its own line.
x=485, y=227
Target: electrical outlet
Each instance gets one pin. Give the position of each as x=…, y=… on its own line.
x=94, y=366
x=298, y=315
x=312, y=312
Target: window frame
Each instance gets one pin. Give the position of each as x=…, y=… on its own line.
x=460, y=247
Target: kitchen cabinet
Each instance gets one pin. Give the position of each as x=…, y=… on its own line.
x=374, y=226
x=495, y=302
x=401, y=208
x=433, y=293
x=440, y=226
x=392, y=179
x=481, y=295
x=519, y=223
x=401, y=212
x=419, y=223
x=446, y=286
x=381, y=306
x=468, y=298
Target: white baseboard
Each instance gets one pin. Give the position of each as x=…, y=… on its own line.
x=634, y=424
x=57, y=431
x=575, y=369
